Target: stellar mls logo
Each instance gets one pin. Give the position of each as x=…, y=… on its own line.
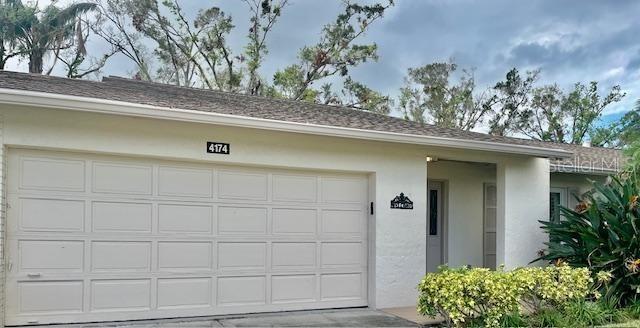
x=402, y=202
x=582, y=165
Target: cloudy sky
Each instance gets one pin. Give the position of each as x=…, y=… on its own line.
x=569, y=40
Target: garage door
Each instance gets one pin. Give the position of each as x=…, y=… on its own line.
x=98, y=238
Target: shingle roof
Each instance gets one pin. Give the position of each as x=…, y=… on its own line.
x=162, y=95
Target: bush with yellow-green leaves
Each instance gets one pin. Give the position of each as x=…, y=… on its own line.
x=460, y=295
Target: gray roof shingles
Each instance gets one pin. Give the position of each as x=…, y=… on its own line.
x=162, y=95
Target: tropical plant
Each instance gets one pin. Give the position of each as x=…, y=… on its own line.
x=48, y=30
x=603, y=234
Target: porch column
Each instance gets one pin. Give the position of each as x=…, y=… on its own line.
x=523, y=199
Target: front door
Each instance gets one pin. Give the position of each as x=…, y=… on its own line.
x=435, y=227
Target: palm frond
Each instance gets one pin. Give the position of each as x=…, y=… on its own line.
x=69, y=14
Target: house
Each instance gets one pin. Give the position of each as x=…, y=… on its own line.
x=130, y=200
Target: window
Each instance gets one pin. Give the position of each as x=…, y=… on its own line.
x=433, y=212
x=489, y=226
x=557, y=198
x=554, y=207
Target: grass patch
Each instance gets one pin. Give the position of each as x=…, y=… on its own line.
x=575, y=314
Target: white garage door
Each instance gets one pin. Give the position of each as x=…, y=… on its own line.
x=96, y=238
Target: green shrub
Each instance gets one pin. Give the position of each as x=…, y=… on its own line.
x=462, y=295
x=602, y=234
x=553, y=286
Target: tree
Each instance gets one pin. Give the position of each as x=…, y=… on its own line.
x=196, y=53
x=509, y=99
x=49, y=30
x=544, y=118
x=190, y=52
x=584, y=106
x=547, y=113
x=14, y=19
x=75, y=58
x=430, y=96
x=619, y=134
x=116, y=29
x=356, y=95
x=264, y=16
x=334, y=54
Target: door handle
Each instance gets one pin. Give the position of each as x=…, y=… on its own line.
x=34, y=275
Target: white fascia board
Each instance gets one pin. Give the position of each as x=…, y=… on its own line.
x=87, y=104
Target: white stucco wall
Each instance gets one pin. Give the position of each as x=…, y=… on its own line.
x=399, y=261
x=523, y=199
x=3, y=214
x=464, y=188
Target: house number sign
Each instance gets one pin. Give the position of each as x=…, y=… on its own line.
x=218, y=148
x=402, y=202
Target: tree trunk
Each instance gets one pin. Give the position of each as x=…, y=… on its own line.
x=3, y=60
x=35, y=61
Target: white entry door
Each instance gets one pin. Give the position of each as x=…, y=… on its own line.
x=100, y=238
x=435, y=227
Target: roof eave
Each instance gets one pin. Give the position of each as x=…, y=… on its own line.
x=96, y=105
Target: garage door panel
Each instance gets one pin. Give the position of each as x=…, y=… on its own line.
x=341, y=286
x=44, y=297
x=121, y=295
x=344, y=190
x=184, y=256
x=288, y=221
x=293, y=289
x=242, y=256
x=342, y=222
x=290, y=255
x=121, y=217
x=295, y=188
x=38, y=256
x=242, y=185
x=180, y=181
x=139, y=238
x=52, y=174
x=38, y=214
x=184, y=293
x=242, y=220
x=122, y=178
x=120, y=256
x=341, y=254
x=177, y=218
x=241, y=291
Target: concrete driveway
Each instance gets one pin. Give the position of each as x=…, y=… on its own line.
x=319, y=318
